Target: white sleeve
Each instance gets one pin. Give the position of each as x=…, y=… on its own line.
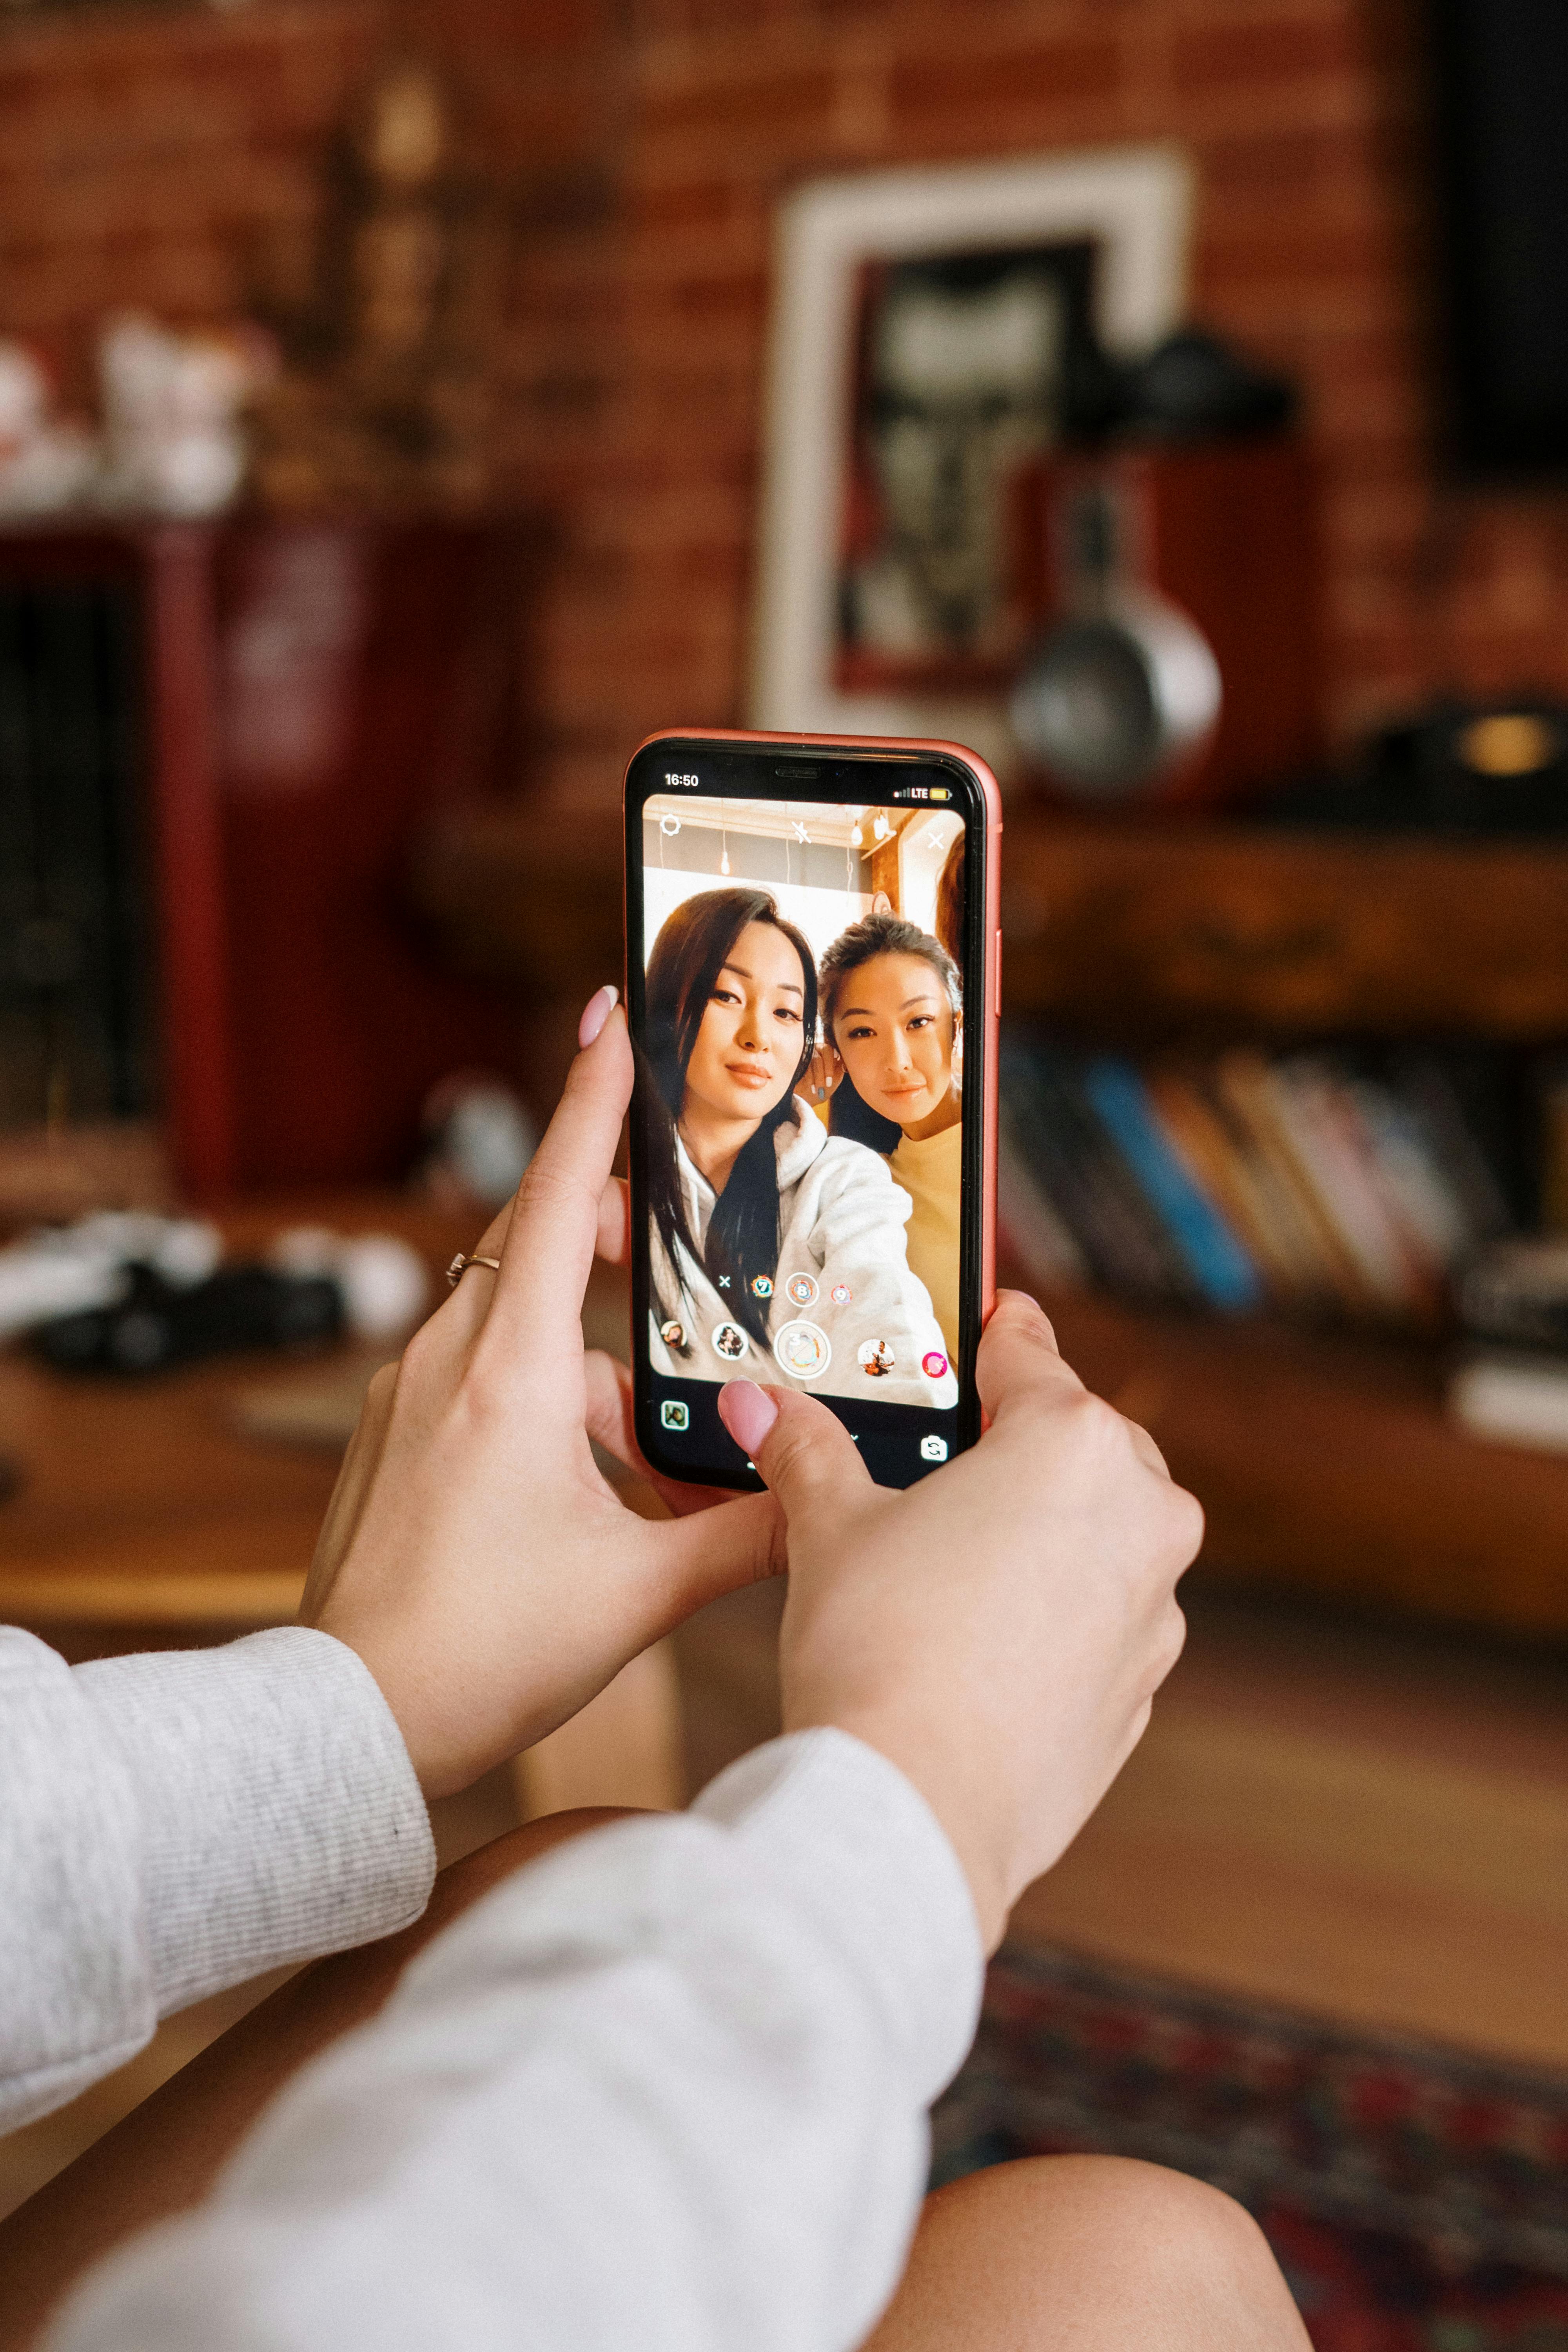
x=176, y=1823
x=665, y=2088
x=861, y=1216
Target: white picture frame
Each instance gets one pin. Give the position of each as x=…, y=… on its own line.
x=1135, y=204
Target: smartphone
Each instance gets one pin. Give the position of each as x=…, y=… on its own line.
x=813, y=977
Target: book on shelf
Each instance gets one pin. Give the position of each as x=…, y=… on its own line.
x=1350, y=1179
x=1081, y=1176
x=1038, y=1235
x=1217, y=1261
x=1358, y=1183
x=1273, y=1123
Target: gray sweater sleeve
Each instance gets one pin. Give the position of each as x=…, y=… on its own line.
x=176, y=1822
x=667, y=2088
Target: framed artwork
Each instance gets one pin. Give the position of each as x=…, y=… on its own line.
x=929, y=329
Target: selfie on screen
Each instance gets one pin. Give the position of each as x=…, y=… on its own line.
x=802, y=1094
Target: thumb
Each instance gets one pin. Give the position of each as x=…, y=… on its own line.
x=804, y=1452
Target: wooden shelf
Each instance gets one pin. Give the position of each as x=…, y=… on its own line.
x=1330, y=1465
x=1284, y=932
x=1124, y=924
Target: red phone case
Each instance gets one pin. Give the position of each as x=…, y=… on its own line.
x=903, y=745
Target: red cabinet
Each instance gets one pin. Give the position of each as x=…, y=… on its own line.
x=301, y=700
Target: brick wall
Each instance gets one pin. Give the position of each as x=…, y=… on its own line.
x=141, y=153
x=642, y=149
x=1303, y=118
x=148, y=156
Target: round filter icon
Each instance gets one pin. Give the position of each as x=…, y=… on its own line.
x=802, y=1350
x=934, y=1365
x=876, y=1359
x=801, y=1290
x=730, y=1341
x=841, y=1294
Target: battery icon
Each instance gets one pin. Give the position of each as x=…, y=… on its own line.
x=940, y=793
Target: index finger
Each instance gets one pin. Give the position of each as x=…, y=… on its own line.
x=548, y=1252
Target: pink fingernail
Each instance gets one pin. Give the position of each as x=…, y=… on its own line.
x=748, y=1414
x=595, y=1012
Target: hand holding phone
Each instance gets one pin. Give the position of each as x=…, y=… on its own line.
x=490, y=1578
x=999, y=1634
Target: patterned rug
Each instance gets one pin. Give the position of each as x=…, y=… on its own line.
x=1417, y=2201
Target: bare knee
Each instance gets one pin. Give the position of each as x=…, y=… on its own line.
x=1143, y=2205
x=1099, y=2251
x=1197, y=2240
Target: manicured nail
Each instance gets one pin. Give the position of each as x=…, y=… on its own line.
x=595, y=1012
x=748, y=1414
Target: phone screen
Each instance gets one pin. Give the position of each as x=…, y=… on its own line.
x=804, y=933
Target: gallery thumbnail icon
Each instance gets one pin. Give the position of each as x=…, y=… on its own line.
x=674, y=1414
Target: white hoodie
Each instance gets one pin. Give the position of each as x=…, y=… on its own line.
x=842, y=1288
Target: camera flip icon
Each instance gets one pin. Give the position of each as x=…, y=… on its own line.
x=933, y=1449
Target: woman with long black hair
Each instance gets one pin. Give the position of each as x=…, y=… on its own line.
x=774, y=1244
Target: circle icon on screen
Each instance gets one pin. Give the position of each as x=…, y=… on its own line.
x=934, y=1365
x=802, y=1350
x=762, y=1285
x=801, y=1290
x=841, y=1294
x=673, y=1334
x=730, y=1341
x=876, y=1358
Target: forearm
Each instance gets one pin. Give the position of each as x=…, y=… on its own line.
x=667, y=2087
x=179, y=1822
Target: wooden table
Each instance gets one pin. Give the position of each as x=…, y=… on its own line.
x=143, y=1503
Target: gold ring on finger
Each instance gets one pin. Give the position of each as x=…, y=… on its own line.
x=461, y=1263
